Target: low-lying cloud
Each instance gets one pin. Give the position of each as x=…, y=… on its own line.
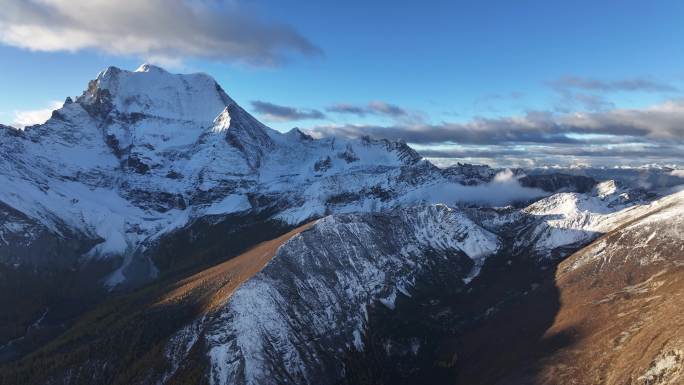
x=157, y=30
x=30, y=117
x=278, y=113
x=504, y=189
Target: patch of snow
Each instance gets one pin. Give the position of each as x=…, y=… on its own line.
x=230, y=204
x=665, y=368
x=319, y=284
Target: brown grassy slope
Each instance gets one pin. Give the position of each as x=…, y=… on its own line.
x=620, y=319
x=213, y=286
x=624, y=299
x=122, y=340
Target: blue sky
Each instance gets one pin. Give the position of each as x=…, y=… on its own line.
x=451, y=64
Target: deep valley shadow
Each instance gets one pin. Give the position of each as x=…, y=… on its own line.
x=492, y=331
x=126, y=329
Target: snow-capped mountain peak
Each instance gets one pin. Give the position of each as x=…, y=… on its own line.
x=142, y=154
x=147, y=67
x=152, y=91
x=169, y=149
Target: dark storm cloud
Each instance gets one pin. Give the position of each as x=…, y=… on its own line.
x=276, y=112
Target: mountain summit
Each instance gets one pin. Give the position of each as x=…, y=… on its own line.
x=153, y=91
x=143, y=154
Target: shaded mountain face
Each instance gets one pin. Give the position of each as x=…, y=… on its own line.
x=387, y=297
x=292, y=322
x=610, y=313
x=155, y=232
x=317, y=288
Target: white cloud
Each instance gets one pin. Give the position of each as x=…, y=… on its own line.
x=31, y=117
x=160, y=30
x=503, y=190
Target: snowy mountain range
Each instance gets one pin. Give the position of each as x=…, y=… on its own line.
x=141, y=154
x=164, y=235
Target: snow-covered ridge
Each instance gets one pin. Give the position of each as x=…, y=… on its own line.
x=318, y=285
x=572, y=219
x=142, y=153
x=641, y=228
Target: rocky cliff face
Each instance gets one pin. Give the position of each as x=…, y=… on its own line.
x=293, y=321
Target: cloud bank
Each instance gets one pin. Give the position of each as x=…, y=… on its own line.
x=650, y=134
x=590, y=93
x=660, y=122
x=504, y=189
x=162, y=30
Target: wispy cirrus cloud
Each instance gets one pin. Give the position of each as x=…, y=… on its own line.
x=589, y=102
x=278, y=113
x=626, y=85
x=166, y=30
x=591, y=93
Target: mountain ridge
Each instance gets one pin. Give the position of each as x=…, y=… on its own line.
x=168, y=149
x=135, y=202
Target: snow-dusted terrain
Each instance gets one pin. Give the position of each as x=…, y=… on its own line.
x=143, y=156
x=291, y=322
x=558, y=224
x=143, y=153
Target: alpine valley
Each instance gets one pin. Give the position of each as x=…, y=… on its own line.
x=153, y=232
